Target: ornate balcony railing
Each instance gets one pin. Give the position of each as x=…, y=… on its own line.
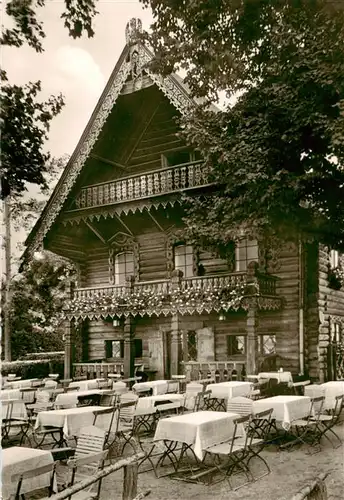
x=146, y=185
x=182, y=295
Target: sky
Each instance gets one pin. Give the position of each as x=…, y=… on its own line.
x=79, y=69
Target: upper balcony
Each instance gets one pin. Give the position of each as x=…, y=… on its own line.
x=231, y=291
x=145, y=185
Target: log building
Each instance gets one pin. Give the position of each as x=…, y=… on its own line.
x=144, y=296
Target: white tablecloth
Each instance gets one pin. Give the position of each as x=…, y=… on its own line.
x=200, y=429
x=71, y=420
x=18, y=409
x=10, y=394
x=193, y=388
x=85, y=385
x=119, y=387
x=66, y=398
x=158, y=386
x=18, y=459
x=232, y=389
x=151, y=401
x=281, y=376
x=22, y=384
x=329, y=389
x=285, y=408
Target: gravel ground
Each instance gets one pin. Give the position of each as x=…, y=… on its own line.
x=290, y=471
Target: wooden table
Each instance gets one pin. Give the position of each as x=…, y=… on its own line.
x=198, y=430
x=231, y=389
x=329, y=389
x=157, y=387
x=19, y=459
x=285, y=408
x=70, y=420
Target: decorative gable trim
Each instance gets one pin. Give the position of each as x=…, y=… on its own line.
x=133, y=60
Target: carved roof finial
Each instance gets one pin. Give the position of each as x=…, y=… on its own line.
x=132, y=30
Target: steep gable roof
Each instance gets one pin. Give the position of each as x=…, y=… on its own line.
x=132, y=61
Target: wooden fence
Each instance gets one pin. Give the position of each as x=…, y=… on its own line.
x=130, y=467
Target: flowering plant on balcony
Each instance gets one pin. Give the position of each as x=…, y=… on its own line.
x=152, y=301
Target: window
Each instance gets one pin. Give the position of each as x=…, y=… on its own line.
x=336, y=333
x=267, y=344
x=115, y=348
x=192, y=346
x=236, y=345
x=184, y=259
x=179, y=157
x=246, y=251
x=334, y=259
x=124, y=266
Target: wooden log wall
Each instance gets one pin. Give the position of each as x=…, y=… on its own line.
x=159, y=136
x=98, y=332
x=211, y=264
x=331, y=309
x=312, y=322
x=95, y=271
x=284, y=323
x=287, y=332
x=152, y=255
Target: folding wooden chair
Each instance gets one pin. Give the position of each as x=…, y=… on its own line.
x=326, y=422
x=14, y=422
x=126, y=420
x=91, y=440
x=235, y=453
x=241, y=405
x=112, y=423
x=258, y=432
x=304, y=430
x=36, y=472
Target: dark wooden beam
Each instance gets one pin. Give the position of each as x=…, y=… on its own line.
x=123, y=224
x=146, y=125
x=95, y=231
x=155, y=222
x=109, y=162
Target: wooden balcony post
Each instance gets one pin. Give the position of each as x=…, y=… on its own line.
x=176, y=345
x=129, y=335
x=252, y=338
x=176, y=277
x=129, y=347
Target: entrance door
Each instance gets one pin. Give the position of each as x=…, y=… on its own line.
x=159, y=354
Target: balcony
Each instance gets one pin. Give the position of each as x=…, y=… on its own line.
x=159, y=182
x=177, y=295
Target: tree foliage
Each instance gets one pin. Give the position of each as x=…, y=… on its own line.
x=24, y=119
x=77, y=16
x=38, y=294
x=24, y=126
x=25, y=210
x=277, y=153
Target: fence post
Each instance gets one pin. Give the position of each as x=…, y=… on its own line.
x=130, y=481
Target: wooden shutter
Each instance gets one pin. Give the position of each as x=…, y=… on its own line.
x=205, y=344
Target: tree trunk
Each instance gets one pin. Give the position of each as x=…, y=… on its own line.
x=7, y=250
